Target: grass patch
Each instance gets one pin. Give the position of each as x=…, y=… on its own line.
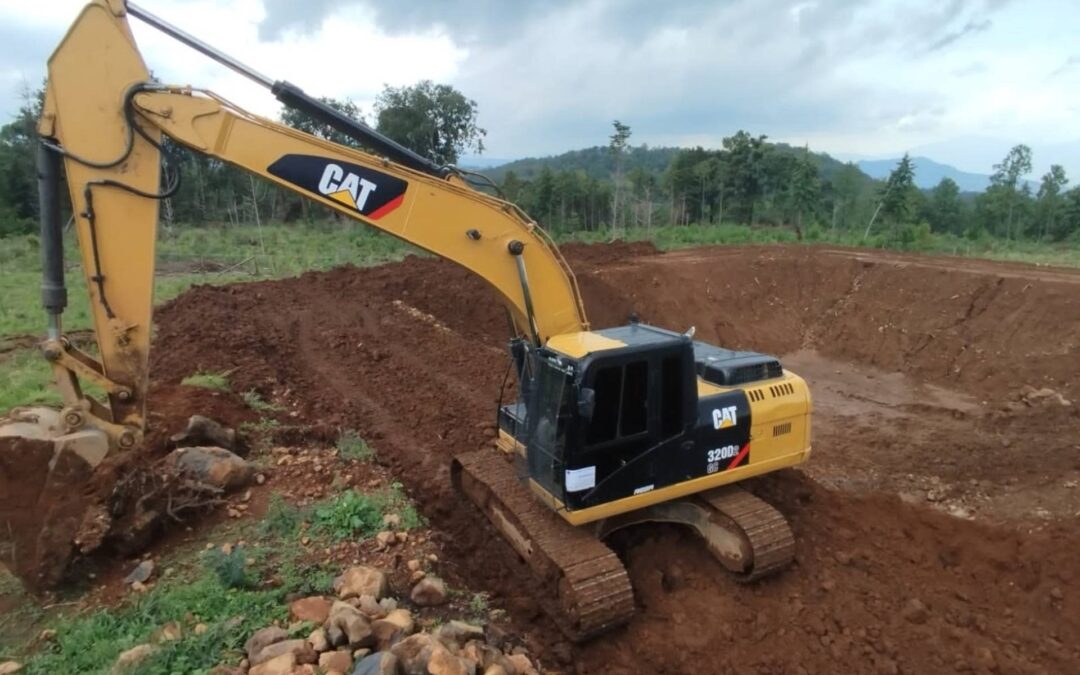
x=25, y=379
x=282, y=519
x=258, y=403
x=218, y=381
x=351, y=446
x=352, y=515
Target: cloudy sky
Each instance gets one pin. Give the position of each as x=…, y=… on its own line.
x=957, y=80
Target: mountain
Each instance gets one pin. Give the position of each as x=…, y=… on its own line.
x=476, y=162
x=928, y=173
x=596, y=162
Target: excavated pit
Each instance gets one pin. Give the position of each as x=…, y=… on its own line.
x=918, y=366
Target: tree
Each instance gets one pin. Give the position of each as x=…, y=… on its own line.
x=1050, y=189
x=897, y=196
x=433, y=120
x=745, y=161
x=618, y=144
x=18, y=183
x=945, y=209
x=302, y=121
x=1007, y=175
x=805, y=189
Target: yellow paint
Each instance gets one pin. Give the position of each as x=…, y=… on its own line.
x=582, y=343
x=90, y=72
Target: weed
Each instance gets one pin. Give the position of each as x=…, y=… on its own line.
x=348, y=515
x=282, y=519
x=258, y=403
x=351, y=446
x=478, y=605
x=218, y=381
x=230, y=568
x=394, y=500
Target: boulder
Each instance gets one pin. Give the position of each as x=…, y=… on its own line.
x=522, y=665
x=340, y=661
x=283, y=664
x=370, y=606
x=203, y=431
x=263, y=638
x=318, y=640
x=300, y=649
x=361, y=580
x=346, y=625
x=131, y=659
x=414, y=653
x=216, y=467
x=456, y=633
x=430, y=591
x=444, y=663
x=388, y=631
x=9, y=667
x=380, y=663
x=142, y=573
x=315, y=609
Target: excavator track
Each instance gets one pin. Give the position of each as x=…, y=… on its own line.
x=590, y=589
x=767, y=536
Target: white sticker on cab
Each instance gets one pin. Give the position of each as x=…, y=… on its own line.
x=580, y=479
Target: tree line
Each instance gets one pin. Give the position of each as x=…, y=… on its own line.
x=747, y=180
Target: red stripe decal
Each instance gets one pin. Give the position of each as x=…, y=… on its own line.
x=739, y=457
x=387, y=207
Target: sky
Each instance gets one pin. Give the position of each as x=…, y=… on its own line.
x=959, y=81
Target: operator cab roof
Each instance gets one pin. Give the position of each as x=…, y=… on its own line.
x=716, y=365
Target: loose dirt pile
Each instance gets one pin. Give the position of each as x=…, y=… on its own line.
x=920, y=363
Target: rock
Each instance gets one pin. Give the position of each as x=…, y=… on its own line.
x=262, y=639
x=300, y=649
x=430, y=591
x=213, y=466
x=348, y=625
x=414, y=653
x=340, y=661
x=142, y=573
x=397, y=625
x=170, y=632
x=283, y=664
x=203, y=431
x=522, y=665
x=361, y=580
x=444, y=663
x=9, y=667
x=387, y=605
x=370, y=606
x=1056, y=593
x=391, y=521
x=915, y=611
x=417, y=576
x=200, y=628
x=386, y=539
x=132, y=658
x=456, y=633
x=495, y=670
x=318, y=640
x=139, y=587
x=380, y=663
x=315, y=609
x=413, y=565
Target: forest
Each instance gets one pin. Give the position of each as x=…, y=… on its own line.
x=614, y=186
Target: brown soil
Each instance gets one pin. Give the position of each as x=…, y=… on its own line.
x=916, y=364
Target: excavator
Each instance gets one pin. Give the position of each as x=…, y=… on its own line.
x=610, y=427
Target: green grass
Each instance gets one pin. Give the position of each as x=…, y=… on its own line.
x=258, y=403
x=218, y=381
x=25, y=380
x=352, y=515
x=351, y=446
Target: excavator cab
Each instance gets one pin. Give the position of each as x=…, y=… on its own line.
x=614, y=420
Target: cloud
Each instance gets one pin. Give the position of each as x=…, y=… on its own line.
x=970, y=28
x=1069, y=64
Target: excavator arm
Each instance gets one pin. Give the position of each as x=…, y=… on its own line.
x=105, y=118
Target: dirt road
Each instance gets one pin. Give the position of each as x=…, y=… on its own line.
x=917, y=366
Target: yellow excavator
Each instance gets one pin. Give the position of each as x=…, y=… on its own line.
x=610, y=428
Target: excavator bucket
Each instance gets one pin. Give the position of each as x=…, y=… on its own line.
x=45, y=477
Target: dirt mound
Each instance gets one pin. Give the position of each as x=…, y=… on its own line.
x=411, y=355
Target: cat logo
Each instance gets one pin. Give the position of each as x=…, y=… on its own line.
x=725, y=418
x=347, y=188
x=371, y=193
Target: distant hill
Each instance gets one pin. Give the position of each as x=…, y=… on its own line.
x=596, y=162
x=929, y=173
